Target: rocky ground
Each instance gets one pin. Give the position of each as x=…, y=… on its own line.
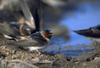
x=11, y=57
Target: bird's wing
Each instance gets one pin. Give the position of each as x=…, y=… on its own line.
x=24, y=43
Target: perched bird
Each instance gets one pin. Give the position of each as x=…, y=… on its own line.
x=93, y=32
x=35, y=41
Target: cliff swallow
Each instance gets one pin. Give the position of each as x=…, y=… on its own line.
x=35, y=41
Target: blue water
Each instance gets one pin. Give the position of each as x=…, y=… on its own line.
x=74, y=47
x=84, y=16
x=75, y=53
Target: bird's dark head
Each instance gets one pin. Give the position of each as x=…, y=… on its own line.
x=47, y=34
x=42, y=35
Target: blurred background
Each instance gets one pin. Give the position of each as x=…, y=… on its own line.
x=72, y=15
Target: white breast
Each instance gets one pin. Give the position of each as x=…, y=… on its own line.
x=34, y=48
